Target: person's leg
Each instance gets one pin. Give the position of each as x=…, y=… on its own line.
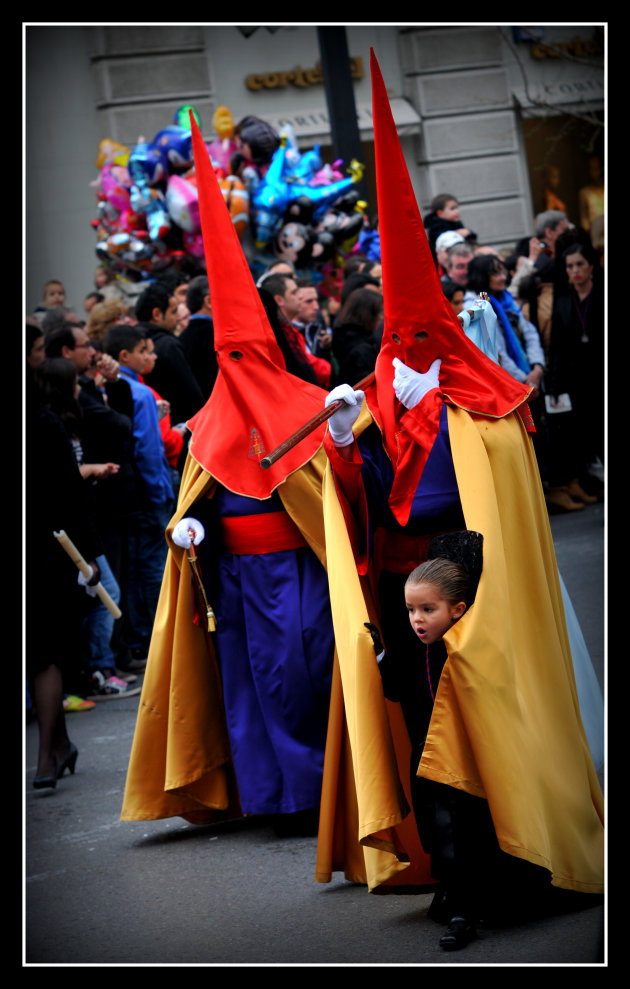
x=147, y=555
x=98, y=624
x=54, y=744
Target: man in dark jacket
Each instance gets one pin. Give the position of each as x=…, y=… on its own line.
x=172, y=377
x=198, y=337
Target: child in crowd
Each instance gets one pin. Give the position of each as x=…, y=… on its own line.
x=147, y=549
x=173, y=436
x=444, y=215
x=53, y=295
x=455, y=295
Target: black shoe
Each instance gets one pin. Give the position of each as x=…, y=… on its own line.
x=45, y=782
x=458, y=934
x=69, y=762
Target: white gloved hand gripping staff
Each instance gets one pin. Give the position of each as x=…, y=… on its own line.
x=182, y=533
x=340, y=424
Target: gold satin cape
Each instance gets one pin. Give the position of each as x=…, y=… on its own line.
x=506, y=724
x=180, y=763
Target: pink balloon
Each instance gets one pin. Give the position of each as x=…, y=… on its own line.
x=115, y=182
x=183, y=204
x=221, y=151
x=193, y=244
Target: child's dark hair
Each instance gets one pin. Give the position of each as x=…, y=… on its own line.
x=451, y=579
x=440, y=201
x=450, y=288
x=122, y=336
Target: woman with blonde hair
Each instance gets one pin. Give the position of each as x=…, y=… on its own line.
x=102, y=316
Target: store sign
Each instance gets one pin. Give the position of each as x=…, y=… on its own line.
x=586, y=89
x=297, y=77
x=578, y=48
x=315, y=123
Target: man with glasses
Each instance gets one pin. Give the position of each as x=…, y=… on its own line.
x=72, y=342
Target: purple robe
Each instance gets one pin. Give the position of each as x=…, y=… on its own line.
x=275, y=645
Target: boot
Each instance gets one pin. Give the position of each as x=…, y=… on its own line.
x=560, y=500
x=577, y=493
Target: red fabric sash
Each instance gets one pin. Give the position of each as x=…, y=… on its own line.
x=246, y=535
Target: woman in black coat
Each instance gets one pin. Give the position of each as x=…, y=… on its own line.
x=357, y=334
x=56, y=499
x=576, y=368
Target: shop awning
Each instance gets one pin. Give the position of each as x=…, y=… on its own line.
x=312, y=126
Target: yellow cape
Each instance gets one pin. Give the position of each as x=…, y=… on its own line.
x=180, y=763
x=506, y=723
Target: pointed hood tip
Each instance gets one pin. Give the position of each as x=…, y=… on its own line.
x=255, y=403
x=419, y=323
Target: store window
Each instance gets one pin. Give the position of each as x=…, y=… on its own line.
x=565, y=160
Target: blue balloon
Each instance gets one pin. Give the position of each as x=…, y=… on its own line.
x=279, y=187
x=175, y=146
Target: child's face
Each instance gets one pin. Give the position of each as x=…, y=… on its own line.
x=457, y=302
x=450, y=211
x=136, y=358
x=430, y=614
x=54, y=295
x=150, y=356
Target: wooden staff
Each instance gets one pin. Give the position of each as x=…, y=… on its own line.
x=86, y=570
x=311, y=426
x=194, y=566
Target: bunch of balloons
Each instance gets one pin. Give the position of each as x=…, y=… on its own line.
x=284, y=204
x=301, y=209
x=147, y=200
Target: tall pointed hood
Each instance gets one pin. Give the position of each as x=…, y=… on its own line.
x=255, y=403
x=419, y=325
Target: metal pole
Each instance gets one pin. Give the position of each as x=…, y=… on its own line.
x=344, y=129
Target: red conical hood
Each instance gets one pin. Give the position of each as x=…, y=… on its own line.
x=255, y=403
x=420, y=325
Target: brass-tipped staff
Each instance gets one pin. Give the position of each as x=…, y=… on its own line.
x=194, y=566
x=311, y=426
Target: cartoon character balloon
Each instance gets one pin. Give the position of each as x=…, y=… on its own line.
x=111, y=152
x=301, y=245
x=222, y=149
x=174, y=144
x=257, y=139
x=277, y=190
x=182, y=200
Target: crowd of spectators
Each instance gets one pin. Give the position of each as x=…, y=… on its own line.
x=547, y=294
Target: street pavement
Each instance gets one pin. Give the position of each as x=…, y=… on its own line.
x=102, y=892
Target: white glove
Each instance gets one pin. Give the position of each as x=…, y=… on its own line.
x=83, y=581
x=340, y=423
x=181, y=535
x=411, y=386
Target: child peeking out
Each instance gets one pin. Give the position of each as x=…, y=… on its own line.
x=455, y=828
